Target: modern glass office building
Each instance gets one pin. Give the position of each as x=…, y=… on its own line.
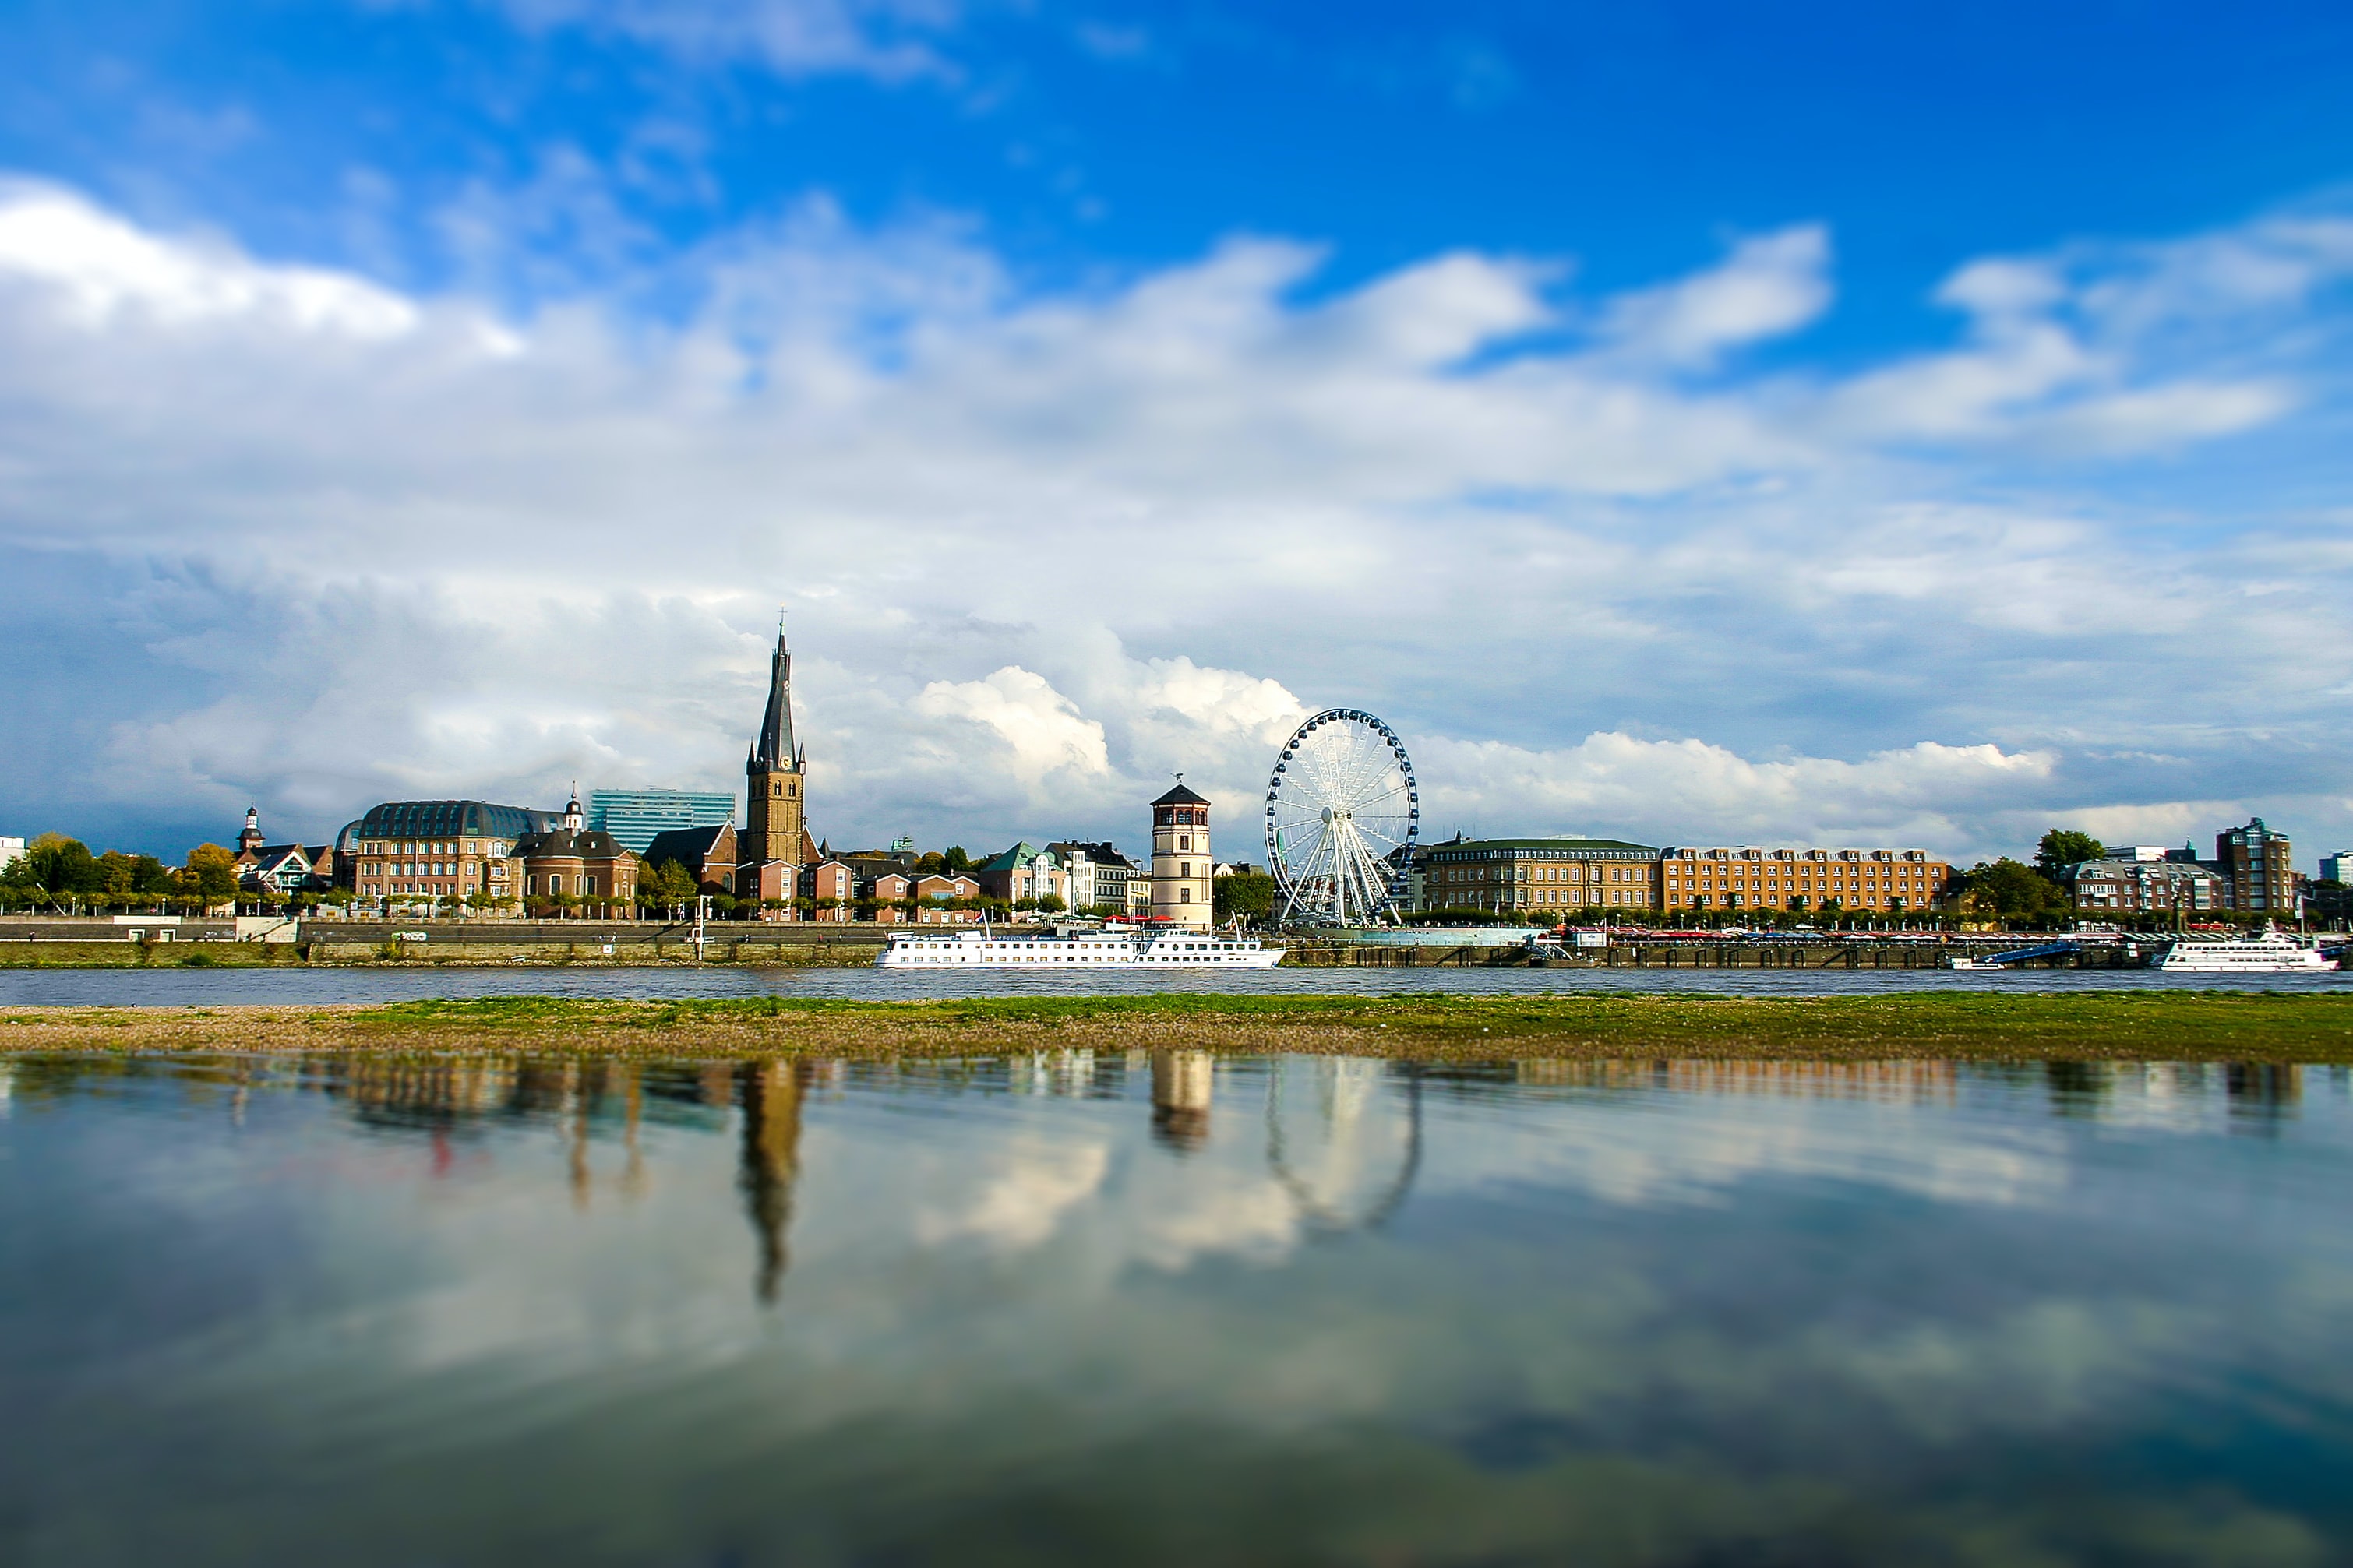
x=635, y=816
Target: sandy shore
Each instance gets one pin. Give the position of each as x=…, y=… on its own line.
x=2171, y=1026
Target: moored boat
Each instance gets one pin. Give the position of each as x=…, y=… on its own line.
x=2270, y=953
x=1113, y=945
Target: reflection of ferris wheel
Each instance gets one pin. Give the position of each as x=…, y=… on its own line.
x=1351, y=1166
x=1342, y=810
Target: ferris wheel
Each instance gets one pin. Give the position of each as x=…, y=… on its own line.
x=1342, y=810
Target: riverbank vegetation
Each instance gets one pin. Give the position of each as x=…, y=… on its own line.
x=2209, y=1025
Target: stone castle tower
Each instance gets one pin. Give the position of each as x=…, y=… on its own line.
x=1181, y=872
x=773, y=772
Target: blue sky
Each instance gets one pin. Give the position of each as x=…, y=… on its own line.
x=1700, y=422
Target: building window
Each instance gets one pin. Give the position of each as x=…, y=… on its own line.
x=1184, y=895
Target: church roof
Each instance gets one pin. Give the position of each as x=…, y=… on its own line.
x=1180, y=795
x=692, y=846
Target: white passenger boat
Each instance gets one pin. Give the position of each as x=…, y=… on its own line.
x=1111, y=946
x=2270, y=954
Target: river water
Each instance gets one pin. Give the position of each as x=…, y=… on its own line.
x=1144, y=1309
x=175, y=987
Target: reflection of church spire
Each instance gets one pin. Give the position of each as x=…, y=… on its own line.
x=1180, y=1098
x=772, y=1136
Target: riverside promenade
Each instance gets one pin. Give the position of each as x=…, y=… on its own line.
x=151, y=941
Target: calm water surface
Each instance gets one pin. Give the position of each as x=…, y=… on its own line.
x=1137, y=1309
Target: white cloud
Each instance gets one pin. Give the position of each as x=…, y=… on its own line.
x=1042, y=729
x=1658, y=789
x=889, y=40
x=1769, y=286
x=98, y=266
x=1044, y=548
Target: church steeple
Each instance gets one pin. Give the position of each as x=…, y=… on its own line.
x=775, y=750
x=772, y=804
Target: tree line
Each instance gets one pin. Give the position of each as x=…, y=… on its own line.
x=54, y=872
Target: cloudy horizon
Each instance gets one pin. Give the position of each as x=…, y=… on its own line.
x=326, y=479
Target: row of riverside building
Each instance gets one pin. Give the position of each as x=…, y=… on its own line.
x=403, y=854
x=1545, y=875
x=2250, y=873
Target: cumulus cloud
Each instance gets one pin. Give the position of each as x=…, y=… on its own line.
x=1041, y=729
x=1044, y=547
x=1657, y=787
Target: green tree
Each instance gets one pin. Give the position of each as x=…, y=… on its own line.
x=210, y=875
x=54, y=869
x=953, y=860
x=2065, y=846
x=1051, y=904
x=669, y=881
x=2012, y=891
x=1247, y=896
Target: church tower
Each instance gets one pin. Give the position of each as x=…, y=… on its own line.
x=773, y=803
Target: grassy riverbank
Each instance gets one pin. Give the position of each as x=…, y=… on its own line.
x=2084, y=1027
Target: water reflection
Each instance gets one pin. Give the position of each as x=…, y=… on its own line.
x=1351, y=1163
x=1182, y=1083
x=1167, y=1308
x=772, y=1137
x=1915, y=1082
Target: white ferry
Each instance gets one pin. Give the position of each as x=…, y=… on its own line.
x=2270, y=954
x=1113, y=945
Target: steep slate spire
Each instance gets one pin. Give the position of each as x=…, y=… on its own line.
x=775, y=752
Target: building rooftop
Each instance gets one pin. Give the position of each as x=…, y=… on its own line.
x=588, y=844
x=685, y=844
x=451, y=819
x=1180, y=795
x=1012, y=859
x=1495, y=845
